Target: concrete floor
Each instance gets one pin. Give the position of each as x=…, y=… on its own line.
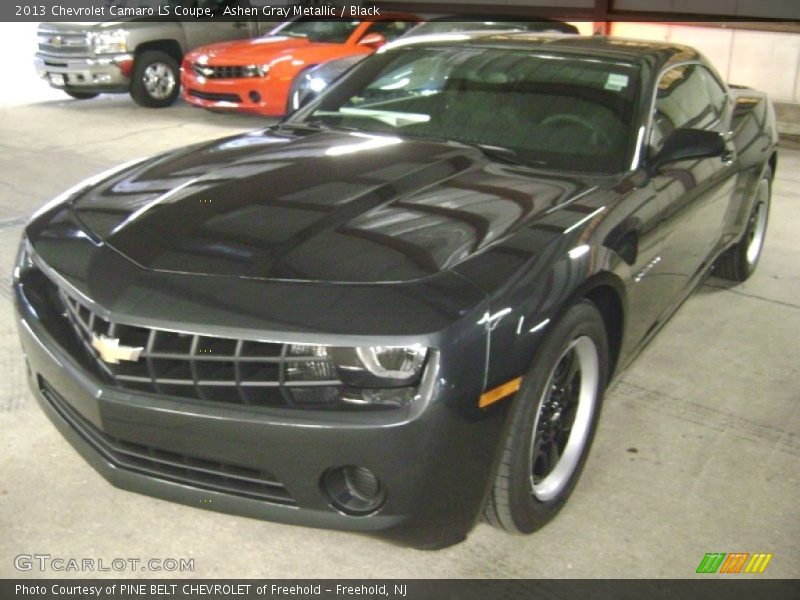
x=698, y=449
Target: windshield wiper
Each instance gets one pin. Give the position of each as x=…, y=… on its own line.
x=317, y=124
x=498, y=153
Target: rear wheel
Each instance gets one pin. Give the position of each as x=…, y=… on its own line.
x=81, y=95
x=739, y=262
x=552, y=425
x=155, y=82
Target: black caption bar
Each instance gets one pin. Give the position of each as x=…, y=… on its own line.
x=183, y=589
x=182, y=10
x=282, y=10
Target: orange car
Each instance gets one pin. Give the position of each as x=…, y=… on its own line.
x=257, y=75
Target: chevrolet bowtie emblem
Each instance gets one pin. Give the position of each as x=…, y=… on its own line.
x=111, y=352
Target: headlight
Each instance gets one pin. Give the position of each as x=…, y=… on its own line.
x=114, y=41
x=371, y=375
x=379, y=366
x=255, y=70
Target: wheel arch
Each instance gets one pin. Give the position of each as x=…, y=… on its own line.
x=170, y=47
x=607, y=292
x=773, y=162
x=609, y=301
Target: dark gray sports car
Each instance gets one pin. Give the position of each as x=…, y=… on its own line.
x=397, y=311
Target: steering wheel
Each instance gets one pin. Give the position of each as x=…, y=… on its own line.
x=597, y=135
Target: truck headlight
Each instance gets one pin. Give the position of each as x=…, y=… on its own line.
x=113, y=41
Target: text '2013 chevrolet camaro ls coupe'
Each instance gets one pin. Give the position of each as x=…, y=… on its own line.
x=397, y=311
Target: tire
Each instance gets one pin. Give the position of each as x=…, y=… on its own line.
x=155, y=82
x=739, y=262
x=529, y=488
x=81, y=95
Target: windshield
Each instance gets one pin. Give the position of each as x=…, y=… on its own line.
x=330, y=32
x=556, y=111
x=432, y=27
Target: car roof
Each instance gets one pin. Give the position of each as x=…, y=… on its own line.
x=539, y=25
x=656, y=53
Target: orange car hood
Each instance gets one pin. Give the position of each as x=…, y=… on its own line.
x=251, y=51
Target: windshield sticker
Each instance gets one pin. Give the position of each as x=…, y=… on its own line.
x=616, y=82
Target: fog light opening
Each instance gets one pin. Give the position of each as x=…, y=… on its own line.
x=353, y=490
x=254, y=96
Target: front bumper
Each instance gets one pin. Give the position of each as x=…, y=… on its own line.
x=102, y=74
x=254, y=95
x=434, y=460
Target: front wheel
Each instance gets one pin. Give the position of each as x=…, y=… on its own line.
x=739, y=262
x=552, y=423
x=155, y=82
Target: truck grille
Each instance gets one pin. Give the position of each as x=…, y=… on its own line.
x=213, y=72
x=171, y=466
x=60, y=43
x=214, y=369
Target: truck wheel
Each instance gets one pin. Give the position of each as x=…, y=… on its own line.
x=156, y=79
x=553, y=419
x=740, y=261
x=80, y=95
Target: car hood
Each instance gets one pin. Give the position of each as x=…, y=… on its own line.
x=249, y=51
x=323, y=206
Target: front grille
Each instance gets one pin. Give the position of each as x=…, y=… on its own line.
x=215, y=97
x=56, y=43
x=214, y=369
x=212, y=72
x=171, y=466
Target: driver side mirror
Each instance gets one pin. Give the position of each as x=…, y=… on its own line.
x=688, y=144
x=372, y=40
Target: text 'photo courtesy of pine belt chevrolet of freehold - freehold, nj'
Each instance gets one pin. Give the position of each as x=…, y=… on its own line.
x=400, y=299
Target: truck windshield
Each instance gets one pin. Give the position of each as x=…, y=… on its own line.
x=559, y=111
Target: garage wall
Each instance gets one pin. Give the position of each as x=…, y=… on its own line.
x=768, y=61
x=773, y=9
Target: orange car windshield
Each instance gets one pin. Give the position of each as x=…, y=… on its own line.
x=329, y=32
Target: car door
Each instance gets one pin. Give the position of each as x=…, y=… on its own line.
x=201, y=33
x=694, y=195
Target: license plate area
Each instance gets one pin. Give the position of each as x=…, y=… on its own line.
x=57, y=79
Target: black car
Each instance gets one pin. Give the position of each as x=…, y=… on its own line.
x=397, y=311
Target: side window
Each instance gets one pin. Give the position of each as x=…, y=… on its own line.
x=391, y=30
x=716, y=92
x=685, y=98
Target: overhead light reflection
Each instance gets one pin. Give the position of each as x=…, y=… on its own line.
x=579, y=251
x=371, y=143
